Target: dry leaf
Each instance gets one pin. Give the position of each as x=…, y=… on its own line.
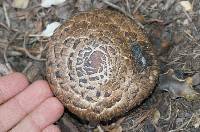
x=48, y=32
x=156, y=117
x=38, y=26
x=49, y=3
x=196, y=79
x=84, y=5
x=139, y=17
x=186, y=5
x=177, y=87
x=197, y=122
x=4, y=70
x=22, y=4
x=196, y=119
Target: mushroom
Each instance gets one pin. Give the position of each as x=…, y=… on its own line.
x=100, y=65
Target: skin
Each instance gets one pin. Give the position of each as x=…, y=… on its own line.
x=27, y=107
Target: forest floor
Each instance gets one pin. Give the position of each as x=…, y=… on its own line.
x=173, y=26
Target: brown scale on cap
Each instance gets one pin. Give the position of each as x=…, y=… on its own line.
x=100, y=65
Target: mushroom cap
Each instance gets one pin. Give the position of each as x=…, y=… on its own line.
x=100, y=65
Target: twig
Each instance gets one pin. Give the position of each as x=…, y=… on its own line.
x=190, y=20
x=4, y=26
x=170, y=112
x=5, y=52
x=138, y=5
x=183, y=125
x=173, y=119
x=124, y=12
x=6, y=14
x=128, y=6
x=191, y=37
x=7, y=28
x=100, y=128
x=154, y=20
x=168, y=4
x=114, y=125
x=69, y=124
x=174, y=61
x=29, y=54
x=17, y=50
x=27, y=67
x=195, y=53
x=140, y=120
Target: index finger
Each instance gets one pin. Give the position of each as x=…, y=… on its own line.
x=11, y=85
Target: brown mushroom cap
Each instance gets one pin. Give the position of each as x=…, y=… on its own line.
x=100, y=65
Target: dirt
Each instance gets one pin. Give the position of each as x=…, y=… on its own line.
x=173, y=30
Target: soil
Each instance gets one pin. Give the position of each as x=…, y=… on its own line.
x=173, y=30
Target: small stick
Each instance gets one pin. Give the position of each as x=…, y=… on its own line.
x=29, y=54
x=137, y=7
x=190, y=20
x=5, y=53
x=6, y=14
x=183, y=125
x=124, y=12
x=170, y=112
x=128, y=6
x=27, y=67
x=168, y=4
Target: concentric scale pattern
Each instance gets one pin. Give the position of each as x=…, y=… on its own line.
x=100, y=65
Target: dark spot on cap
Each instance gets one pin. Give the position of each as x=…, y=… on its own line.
x=83, y=80
x=102, y=76
x=68, y=41
x=58, y=74
x=90, y=87
x=94, y=78
x=97, y=109
x=71, y=55
x=107, y=94
x=141, y=57
x=80, y=85
x=77, y=41
x=70, y=64
x=50, y=63
x=79, y=61
x=98, y=93
x=79, y=74
x=89, y=98
x=71, y=78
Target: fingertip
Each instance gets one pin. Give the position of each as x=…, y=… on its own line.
x=47, y=113
x=12, y=84
x=20, y=76
x=39, y=90
x=42, y=83
x=53, y=101
x=56, y=105
x=42, y=86
x=52, y=128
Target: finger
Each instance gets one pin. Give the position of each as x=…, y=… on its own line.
x=51, y=128
x=47, y=113
x=11, y=85
x=22, y=104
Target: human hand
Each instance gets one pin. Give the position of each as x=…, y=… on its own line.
x=27, y=108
